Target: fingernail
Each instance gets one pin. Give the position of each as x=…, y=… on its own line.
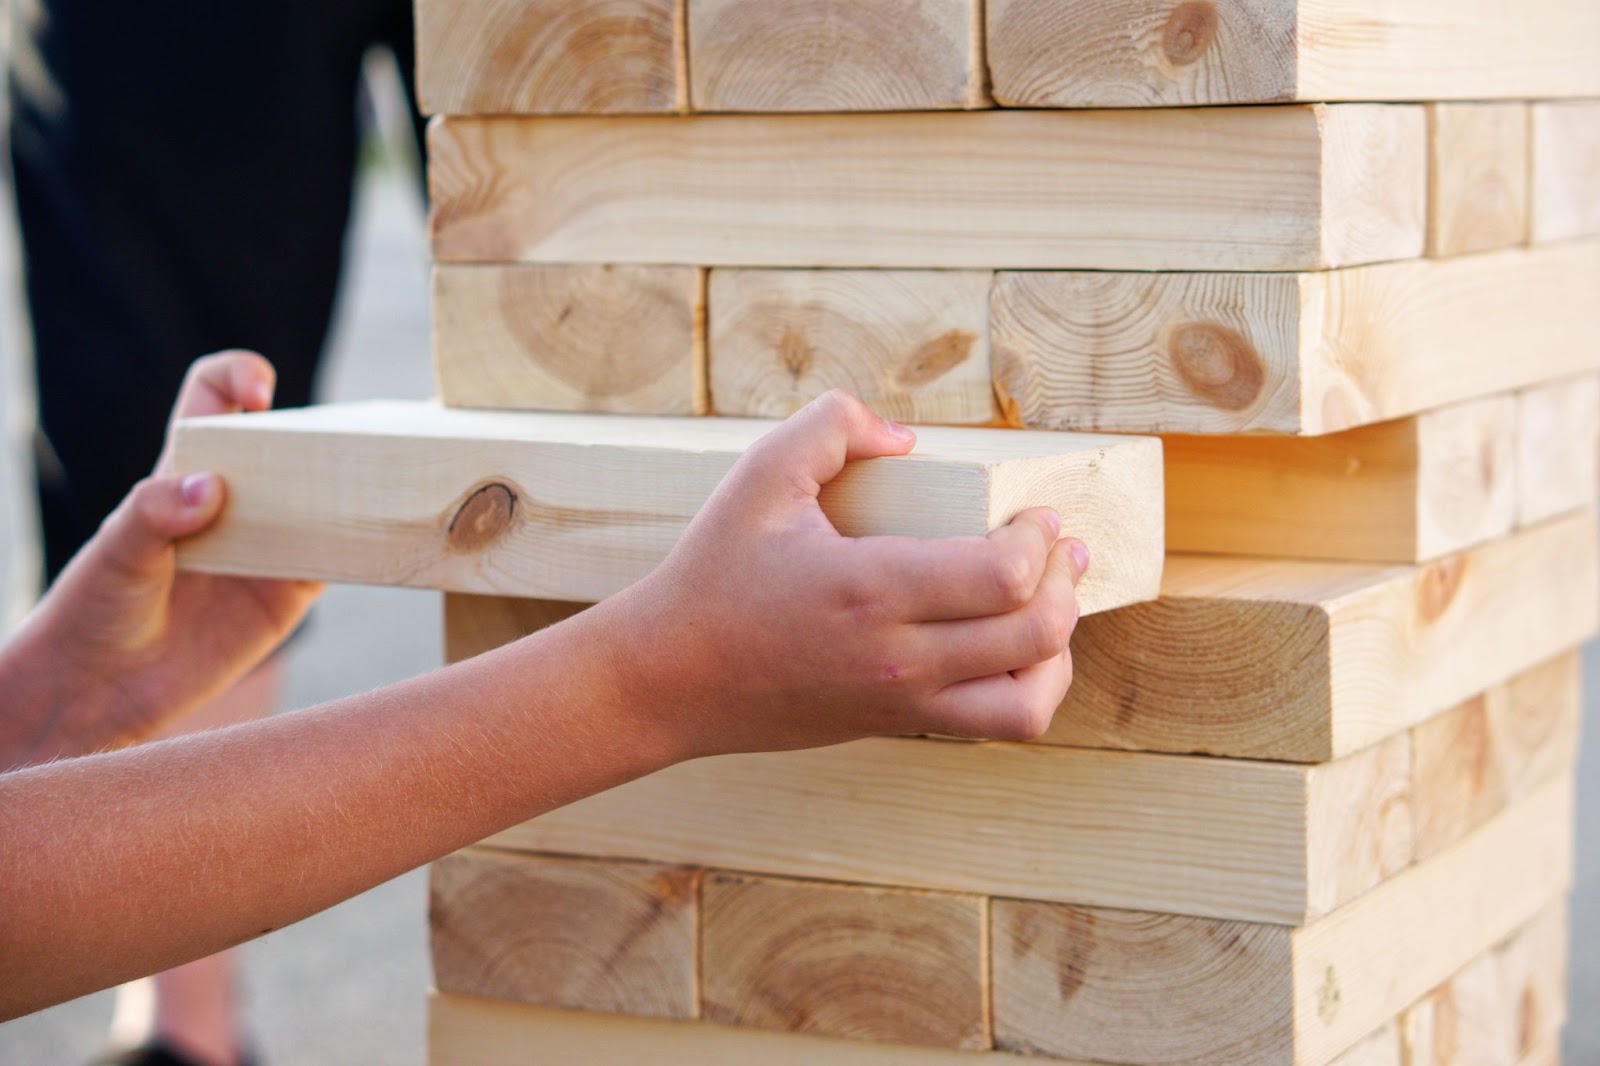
x=898, y=431
x=1080, y=555
x=196, y=489
x=1053, y=520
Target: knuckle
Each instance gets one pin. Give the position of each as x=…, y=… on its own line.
x=1013, y=578
x=1049, y=632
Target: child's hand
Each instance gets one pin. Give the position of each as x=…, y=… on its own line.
x=137, y=643
x=766, y=629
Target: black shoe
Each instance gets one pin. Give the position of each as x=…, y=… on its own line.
x=157, y=1053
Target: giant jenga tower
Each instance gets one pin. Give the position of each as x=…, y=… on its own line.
x=1313, y=803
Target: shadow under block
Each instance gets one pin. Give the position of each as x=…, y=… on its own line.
x=550, y=56
x=1566, y=170
x=1156, y=989
x=1138, y=53
x=1558, y=447
x=616, y=339
x=835, y=55
x=1307, y=661
x=913, y=344
x=605, y=936
x=1305, y=353
x=1478, y=167
x=1281, y=188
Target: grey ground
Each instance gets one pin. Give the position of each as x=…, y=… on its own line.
x=346, y=988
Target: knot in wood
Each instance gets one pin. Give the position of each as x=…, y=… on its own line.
x=482, y=517
x=1438, y=586
x=1189, y=31
x=936, y=358
x=1218, y=365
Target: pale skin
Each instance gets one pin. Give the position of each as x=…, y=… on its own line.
x=763, y=630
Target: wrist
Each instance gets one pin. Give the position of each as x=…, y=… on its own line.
x=50, y=709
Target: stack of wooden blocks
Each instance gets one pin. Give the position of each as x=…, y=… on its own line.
x=1311, y=805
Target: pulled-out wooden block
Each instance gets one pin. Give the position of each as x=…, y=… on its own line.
x=619, y=339
x=914, y=344
x=1558, y=448
x=1120, y=986
x=1138, y=53
x=845, y=960
x=476, y=624
x=835, y=55
x=602, y=936
x=1301, y=353
x=1566, y=170
x=1279, y=188
x=483, y=57
x=1301, y=660
x=1409, y=490
x=577, y=507
x=1268, y=842
x=1478, y=177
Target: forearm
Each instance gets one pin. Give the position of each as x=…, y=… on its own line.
x=119, y=865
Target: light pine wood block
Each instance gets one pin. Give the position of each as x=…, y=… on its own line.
x=836, y=55
x=1558, y=448
x=846, y=961
x=1147, y=53
x=1280, y=188
x=576, y=507
x=1479, y=757
x=1566, y=170
x=617, y=339
x=1408, y=490
x=550, y=56
x=603, y=936
x=1382, y=1048
x=914, y=344
x=476, y=624
x=1154, y=989
x=1478, y=176
x=1265, y=841
x=1303, y=353
x=1301, y=660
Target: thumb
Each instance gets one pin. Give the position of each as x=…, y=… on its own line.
x=810, y=449
x=159, y=511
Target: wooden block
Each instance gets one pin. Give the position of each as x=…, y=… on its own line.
x=1281, y=188
x=1566, y=170
x=1299, y=660
x=1143, y=53
x=1289, y=353
x=1382, y=1048
x=1249, y=839
x=1476, y=759
x=487, y=57
x=835, y=55
x=603, y=936
x=576, y=507
x=914, y=344
x=476, y=624
x=1558, y=448
x=1409, y=490
x=1478, y=176
x=845, y=961
x=1128, y=987
x=619, y=339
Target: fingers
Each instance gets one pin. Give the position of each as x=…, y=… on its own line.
x=159, y=511
x=1013, y=706
x=811, y=447
x=221, y=384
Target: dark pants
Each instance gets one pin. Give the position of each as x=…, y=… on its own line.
x=183, y=176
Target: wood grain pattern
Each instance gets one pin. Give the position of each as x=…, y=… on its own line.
x=476, y=624
x=1382, y=1048
x=1566, y=170
x=914, y=344
x=844, y=960
x=1558, y=448
x=1408, y=490
x=1359, y=823
x=576, y=507
x=1302, y=354
x=603, y=338
x=836, y=55
x=1478, y=176
x=550, y=56
x=1278, y=188
x=1299, y=660
x=1145, y=53
x=602, y=936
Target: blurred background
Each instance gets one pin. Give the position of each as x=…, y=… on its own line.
x=346, y=988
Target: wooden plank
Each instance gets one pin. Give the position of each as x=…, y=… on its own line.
x=1558, y=448
x=835, y=55
x=1128, y=987
x=1289, y=353
x=576, y=507
x=1176, y=834
x=1280, y=188
x=618, y=339
x=604, y=936
x=1566, y=170
x=1475, y=759
x=550, y=56
x=1478, y=176
x=1408, y=490
x=847, y=961
x=1299, y=660
x=1382, y=1048
x=914, y=344
x=1145, y=53
x=476, y=624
